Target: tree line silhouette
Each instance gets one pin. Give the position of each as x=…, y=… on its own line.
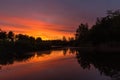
x=106, y=30
x=9, y=42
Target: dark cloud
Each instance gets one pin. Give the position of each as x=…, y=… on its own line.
x=70, y=9
x=4, y=23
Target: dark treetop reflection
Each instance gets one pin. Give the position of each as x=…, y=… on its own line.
x=107, y=63
x=63, y=61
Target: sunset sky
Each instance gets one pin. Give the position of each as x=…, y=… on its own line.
x=51, y=19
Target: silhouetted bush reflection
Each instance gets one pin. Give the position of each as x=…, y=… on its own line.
x=107, y=63
x=10, y=58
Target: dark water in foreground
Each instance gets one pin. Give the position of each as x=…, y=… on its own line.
x=63, y=64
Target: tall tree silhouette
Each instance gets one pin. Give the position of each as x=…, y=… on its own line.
x=3, y=35
x=106, y=29
x=81, y=33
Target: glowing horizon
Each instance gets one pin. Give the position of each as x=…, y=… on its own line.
x=50, y=19
x=34, y=28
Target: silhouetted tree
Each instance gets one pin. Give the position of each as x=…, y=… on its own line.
x=10, y=36
x=106, y=29
x=3, y=35
x=25, y=42
x=81, y=31
x=38, y=40
x=71, y=41
x=20, y=37
x=81, y=34
x=38, y=43
x=64, y=38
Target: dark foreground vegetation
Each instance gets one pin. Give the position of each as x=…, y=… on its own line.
x=105, y=32
x=9, y=42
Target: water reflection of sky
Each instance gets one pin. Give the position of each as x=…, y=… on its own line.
x=53, y=66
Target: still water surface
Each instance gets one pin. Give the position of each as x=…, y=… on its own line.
x=62, y=64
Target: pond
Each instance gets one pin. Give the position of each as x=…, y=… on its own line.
x=60, y=64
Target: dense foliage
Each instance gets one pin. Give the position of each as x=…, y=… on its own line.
x=9, y=42
x=105, y=31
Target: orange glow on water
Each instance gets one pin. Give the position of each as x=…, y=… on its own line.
x=53, y=56
x=46, y=57
x=37, y=63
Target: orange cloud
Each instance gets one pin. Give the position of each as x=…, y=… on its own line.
x=36, y=28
